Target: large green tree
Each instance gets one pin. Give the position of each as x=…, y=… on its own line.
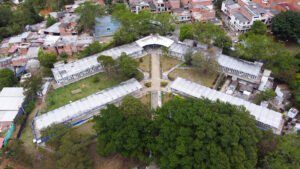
x=211, y=34
x=125, y=130
x=286, y=25
x=285, y=155
x=32, y=85
x=73, y=152
x=128, y=66
x=141, y=24
x=88, y=11
x=7, y=78
x=186, y=32
x=259, y=28
x=14, y=19
x=205, y=64
x=204, y=134
x=108, y=63
x=275, y=56
x=47, y=59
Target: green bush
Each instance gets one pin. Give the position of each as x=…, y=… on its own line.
x=163, y=84
x=96, y=79
x=148, y=84
x=171, y=77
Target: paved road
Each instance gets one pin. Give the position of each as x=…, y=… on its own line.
x=155, y=71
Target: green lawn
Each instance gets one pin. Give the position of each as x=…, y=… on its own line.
x=145, y=63
x=168, y=62
x=195, y=76
x=62, y=96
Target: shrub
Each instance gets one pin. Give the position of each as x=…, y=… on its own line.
x=163, y=84
x=171, y=77
x=148, y=84
x=96, y=79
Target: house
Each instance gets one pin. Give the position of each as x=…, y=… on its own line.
x=137, y=5
x=174, y=4
x=161, y=5
x=5, y=62
x=12, y=100
x=202, y=10
x=241, y=14
x=182, y=15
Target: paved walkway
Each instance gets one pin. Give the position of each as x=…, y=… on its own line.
x=155, y=70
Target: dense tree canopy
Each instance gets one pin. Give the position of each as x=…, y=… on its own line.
x=108, y=63
x=258, y=28
x=14, y=19
x=93, y=48
x=207, y=33
x=73, y=151
x=128, y=66
x=207, y=65
x=141, y=24
x=88, y=11
x=265, y=96
x=7, y=78
x=286, y=25
x=125, y=130
x=32, y=85
x=280, y=152
x=183, y=134
x=186, y=32
x=263, y=48
x=203, y=134
x=47, y=59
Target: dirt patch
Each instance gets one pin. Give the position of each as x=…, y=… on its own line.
x=112, y=162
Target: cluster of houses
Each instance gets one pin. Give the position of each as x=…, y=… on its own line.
x=183, y=10
x=59, y=38
x=241, y=14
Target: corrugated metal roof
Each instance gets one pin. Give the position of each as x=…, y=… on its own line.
x=82, y=106
x=261, y=114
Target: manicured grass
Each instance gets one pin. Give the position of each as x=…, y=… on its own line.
x=168, y=62
x=62, y=96
x=195, y=76
x=145, y=64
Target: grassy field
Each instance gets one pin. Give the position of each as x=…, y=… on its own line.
x=168, y=62
x=145, y=64
x=195, y=76
x=61, y=96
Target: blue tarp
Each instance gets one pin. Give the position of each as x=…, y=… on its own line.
x=9, y=133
